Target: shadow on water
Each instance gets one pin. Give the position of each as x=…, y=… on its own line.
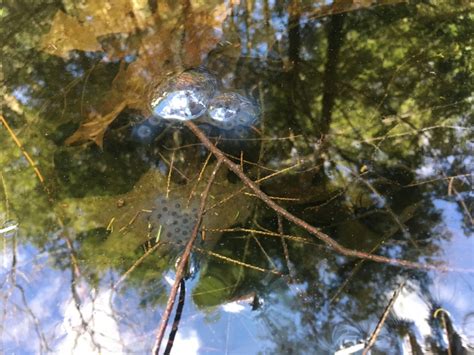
x=356, y=118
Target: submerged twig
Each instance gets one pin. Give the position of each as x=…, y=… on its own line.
x=33, y=165
x=135, y=265
x=183, y=262
x=303, y=224
x=237, y=262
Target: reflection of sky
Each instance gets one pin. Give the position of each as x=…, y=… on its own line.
x=124, y=325
x=22, y=95
x=451, y=291
x=118, y=326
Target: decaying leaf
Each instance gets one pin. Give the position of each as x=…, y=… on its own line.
x=126, y=215
x=163, y=48
x=203, y=32
x=67, y=34
x=86, y=21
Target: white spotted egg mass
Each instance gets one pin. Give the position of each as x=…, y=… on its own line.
x=173, y=220
x=185, y=96
x=146, y=131
x=230, y=109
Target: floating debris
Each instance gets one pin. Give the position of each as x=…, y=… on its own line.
x=230, y=110
x=185, y=96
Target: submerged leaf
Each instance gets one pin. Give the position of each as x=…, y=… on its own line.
x=85, y=22
x=162, y=50
x=67, y=34
x=127, y=216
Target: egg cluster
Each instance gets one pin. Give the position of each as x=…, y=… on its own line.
x=146, y=131
x=172, y=220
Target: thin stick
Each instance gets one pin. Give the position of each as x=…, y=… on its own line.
x=134, y=266
x=169, y=176
x=285, y=247
x=301, y=223
x=183, y=262
x=25, y=154
x=382, y=320
x=177, y=317
x=256, y=181
x=237, y=262
x=201, y=173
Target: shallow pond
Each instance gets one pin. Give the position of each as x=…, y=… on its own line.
x=355, y=118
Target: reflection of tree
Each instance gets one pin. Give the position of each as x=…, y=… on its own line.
x=335, y=38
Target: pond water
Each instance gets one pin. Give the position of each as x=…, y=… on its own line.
x=355, y=117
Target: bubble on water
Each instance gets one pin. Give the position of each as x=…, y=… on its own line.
x=185, y=96
x=231, y=109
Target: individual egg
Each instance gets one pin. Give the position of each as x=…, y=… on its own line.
x=231, y=109
x=185, y=96
x=146, y=131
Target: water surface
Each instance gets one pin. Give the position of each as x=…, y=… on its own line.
x=364, y=130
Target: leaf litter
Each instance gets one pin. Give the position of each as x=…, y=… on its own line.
x=164, y=46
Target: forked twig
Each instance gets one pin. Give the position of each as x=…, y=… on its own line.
x=301, y=223
x=183, y=262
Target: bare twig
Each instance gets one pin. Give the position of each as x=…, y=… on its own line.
x=382, y=320
x=284, y=246
x=301, y=223
x=169, y=176
x=26, y=155
x=135, y=265
x=183, y=262
x=237, y=262
x=177, y=317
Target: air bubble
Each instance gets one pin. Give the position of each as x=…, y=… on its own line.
x=185, y=96
x=229, y=109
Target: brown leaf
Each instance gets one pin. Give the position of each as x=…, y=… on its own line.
x=92, y=19
x=66, y=34
x=158, y=55
x=95, y=126
x=202, y=33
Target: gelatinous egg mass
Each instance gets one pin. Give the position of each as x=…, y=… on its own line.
x=230, y=109
x=146, y=131
x=172, y=221
x=185, y=96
